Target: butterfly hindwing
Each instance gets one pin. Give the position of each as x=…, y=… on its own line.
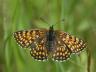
x=39, y=52
x=38, y=49
x=61, y=51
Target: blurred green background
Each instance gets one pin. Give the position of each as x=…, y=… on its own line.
x=79, y=20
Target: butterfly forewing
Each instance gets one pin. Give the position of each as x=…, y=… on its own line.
x=26, y=38
x=74, y=44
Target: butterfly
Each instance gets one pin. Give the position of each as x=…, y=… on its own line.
x=45, y=44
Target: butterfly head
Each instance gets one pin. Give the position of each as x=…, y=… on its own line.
x=51, y=28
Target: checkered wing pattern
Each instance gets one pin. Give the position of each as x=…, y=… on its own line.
x=26, y=38
x=60, y=51
x=38, y=50
x=35, y=40
x=73, y=43
x=63, y=45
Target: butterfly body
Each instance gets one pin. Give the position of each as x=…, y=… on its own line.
x=50, y=37
x=51, y=43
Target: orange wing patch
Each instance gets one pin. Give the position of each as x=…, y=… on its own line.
x=25, y=38
x=61, y=53
x=39, y=52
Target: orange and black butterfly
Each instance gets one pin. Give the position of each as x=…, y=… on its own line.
x=50, y=43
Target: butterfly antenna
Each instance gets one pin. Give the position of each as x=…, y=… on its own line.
x=58, y=22
x=42, y=19
x=52, y=25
